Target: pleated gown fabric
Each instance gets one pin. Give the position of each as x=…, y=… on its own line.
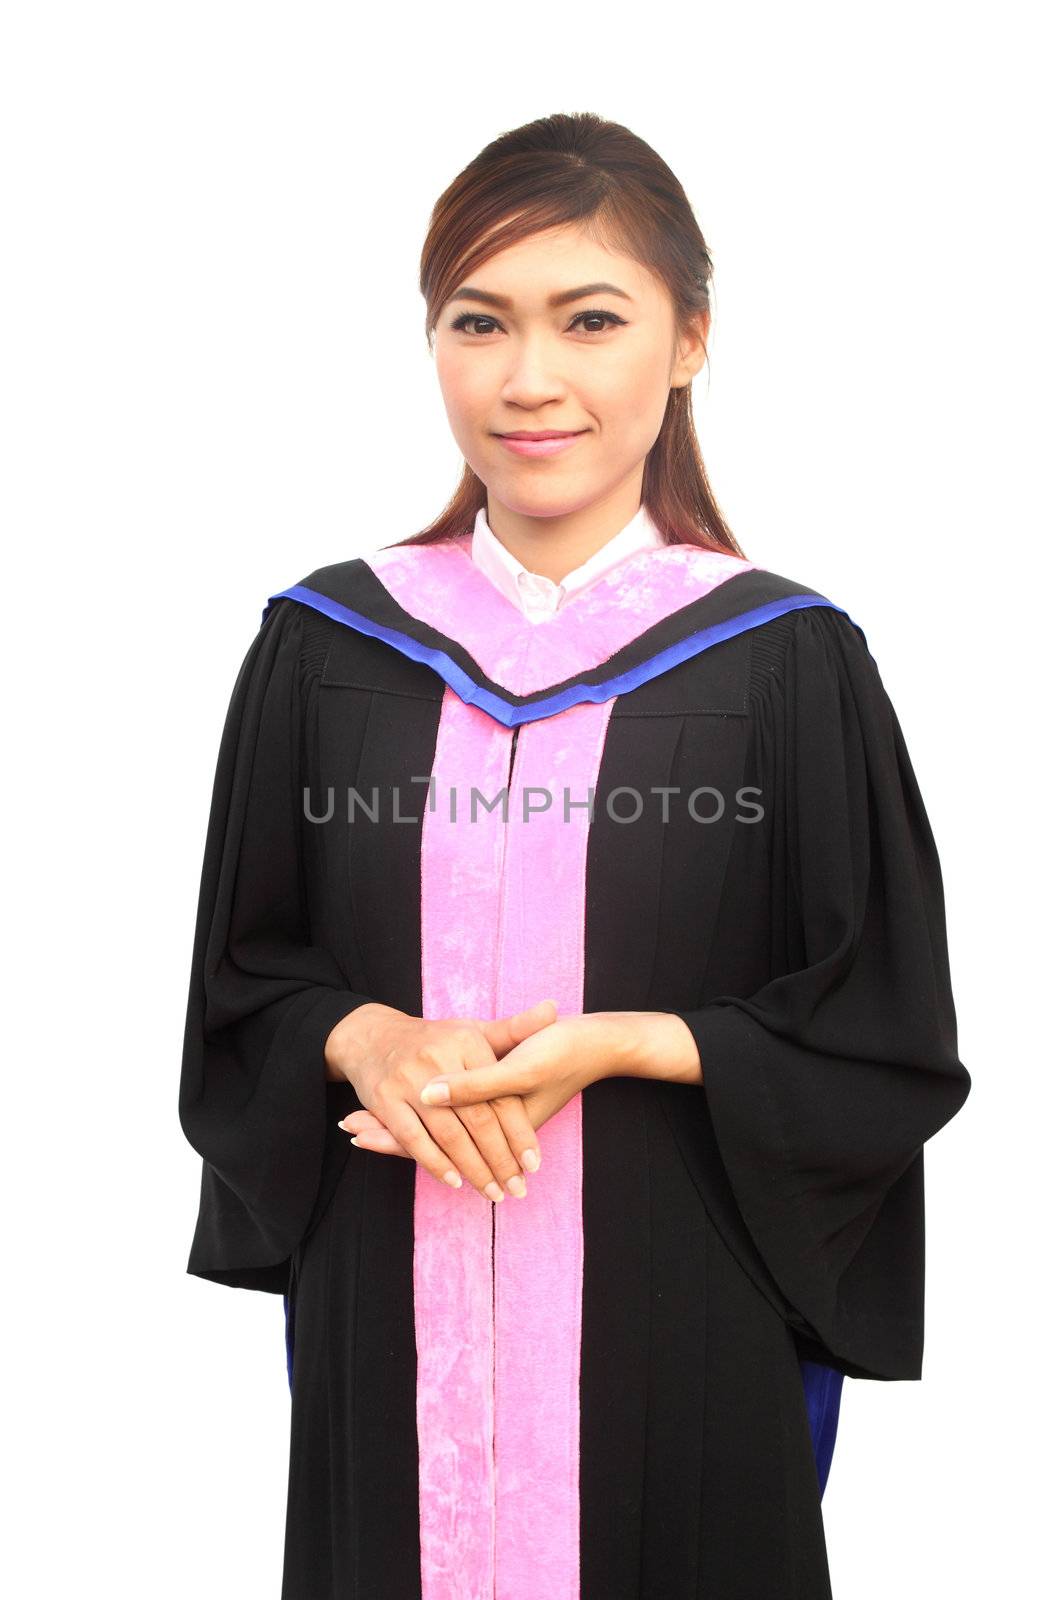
x=628, y=1383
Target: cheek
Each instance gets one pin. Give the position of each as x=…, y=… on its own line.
x=633, y=398
x=634, y=416
x=461, y=377
x=467, y=397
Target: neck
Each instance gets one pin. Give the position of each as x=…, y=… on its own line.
x=554, y=546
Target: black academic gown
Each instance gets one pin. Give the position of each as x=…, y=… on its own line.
x=742, y=1237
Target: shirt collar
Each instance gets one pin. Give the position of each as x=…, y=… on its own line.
x=537, y=596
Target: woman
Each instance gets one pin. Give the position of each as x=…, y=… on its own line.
x=688, y=1000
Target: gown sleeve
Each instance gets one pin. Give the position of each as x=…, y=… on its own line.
x=263, y=997
x=823, y=1084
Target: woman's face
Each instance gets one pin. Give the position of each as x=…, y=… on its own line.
x=600, y=364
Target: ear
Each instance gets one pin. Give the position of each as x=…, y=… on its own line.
x=691, y=350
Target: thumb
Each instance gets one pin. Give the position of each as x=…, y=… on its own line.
x=506, y=1032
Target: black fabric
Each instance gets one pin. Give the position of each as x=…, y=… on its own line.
x=824, y=1080
x=696, y=1464
x=354, y=585
x=771, y=1213
x=263, y=997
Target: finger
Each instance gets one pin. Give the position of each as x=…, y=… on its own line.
x=476, y=1085
x=437, y=1140
x=480, y=1116
x=490, y=1141
x=513, y=1114
x=478, y=1149
x=505, y=1032
x=370, y=1134
x=381, y=1142
x=359, y=1121
x=501, y=1141
x=410, y=1133
x=490, y=1173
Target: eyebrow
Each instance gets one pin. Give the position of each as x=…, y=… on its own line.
x=561, y=299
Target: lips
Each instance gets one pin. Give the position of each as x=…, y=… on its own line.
x=545, y=433
x=549, y=443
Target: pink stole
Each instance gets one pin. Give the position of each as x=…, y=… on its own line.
x=498, y=1288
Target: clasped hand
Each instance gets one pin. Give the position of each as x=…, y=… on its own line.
x=503, y=1078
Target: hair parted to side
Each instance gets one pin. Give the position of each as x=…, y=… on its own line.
x=581, y=169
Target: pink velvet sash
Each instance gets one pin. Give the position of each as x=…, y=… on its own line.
x=498, y=1288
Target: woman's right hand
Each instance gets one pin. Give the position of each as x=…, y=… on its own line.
x=387, y=1056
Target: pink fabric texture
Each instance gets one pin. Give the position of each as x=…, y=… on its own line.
x=440, y=584
x=497, y=1289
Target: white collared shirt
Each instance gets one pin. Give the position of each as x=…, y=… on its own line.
x=537, y=596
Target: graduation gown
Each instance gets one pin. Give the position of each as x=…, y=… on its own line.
x=625, y=1385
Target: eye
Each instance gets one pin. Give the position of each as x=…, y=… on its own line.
x=463, y=323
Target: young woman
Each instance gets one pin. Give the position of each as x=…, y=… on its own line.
x=566, y=809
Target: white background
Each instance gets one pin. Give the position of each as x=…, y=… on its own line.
x=215, y=379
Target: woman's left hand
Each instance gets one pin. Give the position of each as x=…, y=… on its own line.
x=547, y=1070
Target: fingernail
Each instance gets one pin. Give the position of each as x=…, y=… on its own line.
x=453, y=1180
x=494, y=1191
x=517, y=1186
x=435, y=1094
x=530, y=1160
x=354, y=1141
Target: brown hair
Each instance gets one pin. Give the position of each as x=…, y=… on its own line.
x=579, y=169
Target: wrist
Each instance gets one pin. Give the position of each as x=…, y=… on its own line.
x=352, y=1036
x=623, y=1048
x=651, y=1044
